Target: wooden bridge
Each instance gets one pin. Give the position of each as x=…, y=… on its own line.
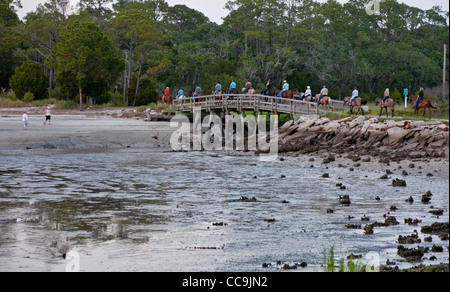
x=253, y=102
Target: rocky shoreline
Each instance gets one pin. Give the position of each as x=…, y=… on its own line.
x=416, y=147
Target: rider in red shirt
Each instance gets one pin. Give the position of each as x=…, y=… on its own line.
x=166, y=91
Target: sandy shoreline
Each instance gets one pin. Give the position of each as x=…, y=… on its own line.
x=99, y=129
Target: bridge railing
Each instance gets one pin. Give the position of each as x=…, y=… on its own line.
x=257, y=102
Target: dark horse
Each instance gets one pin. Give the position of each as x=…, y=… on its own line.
x=233, y=91
x=357, y=102
x=389, y=103
x=424, y=103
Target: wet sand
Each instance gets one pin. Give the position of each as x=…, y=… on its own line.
x=95, y=129
x=80, y=132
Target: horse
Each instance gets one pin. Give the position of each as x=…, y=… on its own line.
x=287, y=94
x=325, y=101
x=356, y=102
x=232, y=91
x=389, y=103
x=168, y=99
x=198, y=97
x=306, y=98
x=249, y=92
x=424, y=103
x=218, y=93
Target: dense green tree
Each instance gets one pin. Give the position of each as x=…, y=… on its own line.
x=87, y=58
x=138, y=35
x=9, y=40
x=29, y=77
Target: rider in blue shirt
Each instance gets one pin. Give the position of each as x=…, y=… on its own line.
x=218, y=88
x=285, y=88
x=232, y=86
x=197, y=91
x=180, y=93
x=355, y=94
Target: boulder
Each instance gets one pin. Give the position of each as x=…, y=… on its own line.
x=357, y=122
x=331, y=127
x=438, y=143
x=396, y=135
x=285, y=126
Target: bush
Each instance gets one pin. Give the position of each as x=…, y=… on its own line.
x=29, y=78
x=28, y=97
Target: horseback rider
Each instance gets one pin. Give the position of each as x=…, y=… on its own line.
x=419, y=99
x=355, y=94
x=285, y=88
x=166, y=91
x=180, y=93
x=248, y=86
x=323, y=92
x=197, y=90
x=386, y=95
x=232, y=86
x=269, y=87
x=307, y=92
x=218, y=88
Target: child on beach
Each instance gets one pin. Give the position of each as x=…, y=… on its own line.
x=48, y=116
x=25, y=120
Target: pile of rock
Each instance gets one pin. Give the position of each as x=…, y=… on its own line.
x=362, y=133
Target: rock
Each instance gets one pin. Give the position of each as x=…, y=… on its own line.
x=436, y=212
x=398, y=182
x=344, y=120
x=357, y=122
x=409, y=239
x=410, y=200
x=427, y=197
x=331, y=127
x=368, y=229
x=396, y=135
x=411, y=254
x=438, y=144
x=285, y=126
x=344, y=200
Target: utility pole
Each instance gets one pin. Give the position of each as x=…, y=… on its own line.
x=443, y=74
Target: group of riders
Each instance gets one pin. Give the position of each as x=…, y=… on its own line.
x=270, y=89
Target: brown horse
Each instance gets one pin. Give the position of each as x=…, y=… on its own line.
x=218, y=93
x=424, y=103
x=356, y=102
x=232, y=91
x=198, y=97
x=168, y=99
x=289, y=94
x=389, y=103
x=325, y=101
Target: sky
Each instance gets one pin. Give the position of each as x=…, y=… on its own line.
x=215, y=9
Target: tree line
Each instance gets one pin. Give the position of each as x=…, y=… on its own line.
x=130, y=51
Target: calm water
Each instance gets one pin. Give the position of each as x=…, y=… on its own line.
x=136, y=210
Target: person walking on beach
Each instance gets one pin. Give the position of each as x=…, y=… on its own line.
x=48, y=116
x=25, y=120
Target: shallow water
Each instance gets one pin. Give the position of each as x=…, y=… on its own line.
x=136, y=210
